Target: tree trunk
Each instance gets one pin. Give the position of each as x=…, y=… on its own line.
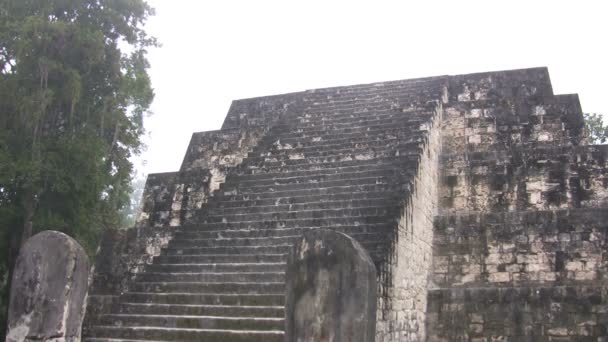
x=29, y=206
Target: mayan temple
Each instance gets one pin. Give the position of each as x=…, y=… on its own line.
x=477, y=197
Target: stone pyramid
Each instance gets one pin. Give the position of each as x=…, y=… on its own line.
x=476, y=196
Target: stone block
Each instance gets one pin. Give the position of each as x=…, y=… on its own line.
x=331, y=290
x=49, y=286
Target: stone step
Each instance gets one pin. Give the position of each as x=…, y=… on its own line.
x=203, y=310
x=267, y=241
x=380, y=160
x=101, y=339
x=331, y=161
x=361, y=116
x=370, y=245
x=368, y=136
x=382, y=210
x=235, y=202
x=379, y=141
x=381, y=165
x=316, y=113
x=329, y=111
x=238, y=299
x=296, y=160
x=256, y=241
x=377, y=251
x=372, y=118
x=259, y=165
x=252, y=188
x=371, y=89
x=311, y=101
x=312, y=176
x=277, y=249
x=386, y=89
x=217, y=287
x=292, y=223
x=294, y=130
x=380, y=228
x=356, y=102
x=194, y=322
x=217, y=267
x=382, y=99
x=406, y=104
x=187, y=335
x=314, y=120
x=361, y=97
x=338, y=155
x=329, y=107
x=358, y=190
x=244, y=277
x=219, y=258
x=397, y=101
x=407, y=94
x=302, y=206
x=318, y=98
x=412, y=126
x=372, y=115
x=317, y=182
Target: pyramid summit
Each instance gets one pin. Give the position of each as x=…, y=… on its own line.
x=476, y=196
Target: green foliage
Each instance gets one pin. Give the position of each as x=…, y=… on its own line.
x=598, y=132
x=72, y=107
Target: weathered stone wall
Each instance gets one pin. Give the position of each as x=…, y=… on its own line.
x=122, y=255
x=171, y=198
x=500, y=84
x=157, y=199
x=260, y=111
x=538, y=314
x=402, y=309
x=503, y=123
x=525, y=178
x=213, y=149
x=520, y=248
x=125, y=252
x=216, y=152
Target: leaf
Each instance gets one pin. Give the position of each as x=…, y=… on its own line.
x=72, y=105
x=596, y=130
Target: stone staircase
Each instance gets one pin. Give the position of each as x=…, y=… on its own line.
x=344, y=160
x=476, y=196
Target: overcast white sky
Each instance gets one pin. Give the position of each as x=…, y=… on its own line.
x=217, y=51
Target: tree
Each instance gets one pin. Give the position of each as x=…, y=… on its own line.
x=72, y=101
x=597, y=131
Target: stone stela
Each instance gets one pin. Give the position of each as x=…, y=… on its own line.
x=331, y=290
x=477, y=197
x=48, y=290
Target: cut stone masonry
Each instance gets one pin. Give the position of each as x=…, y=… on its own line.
x=477, y=197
